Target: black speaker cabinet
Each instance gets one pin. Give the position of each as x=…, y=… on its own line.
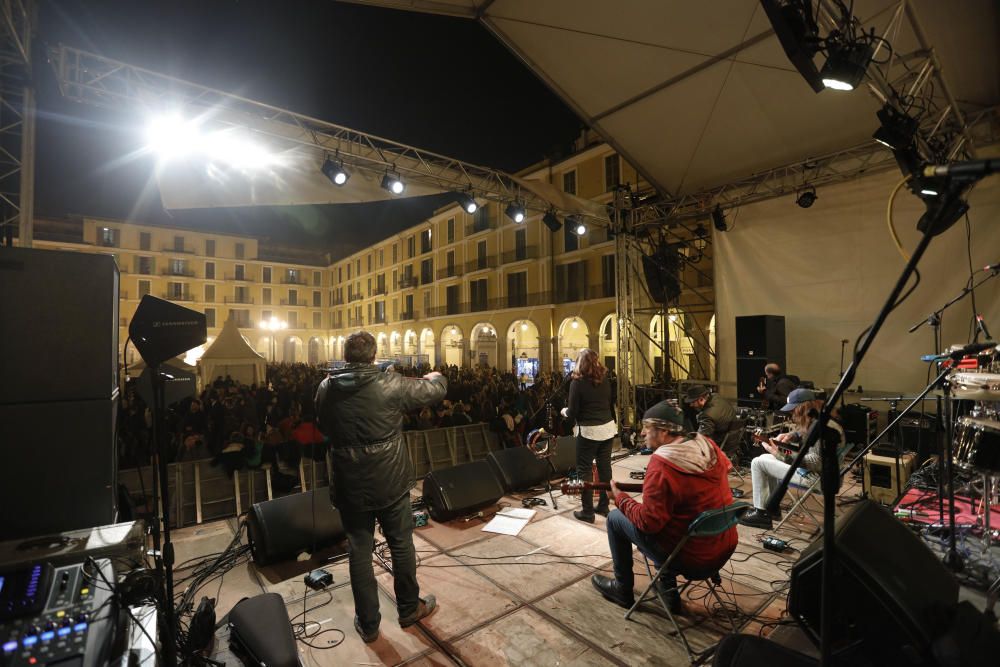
x=261, y=632
x=890, y=587
x=461, y=490
x=59, y=469
x=749, y=371
x=761, y=336
x=61, y=308
x=518, y=469
x=564, y=459
x=282, y=528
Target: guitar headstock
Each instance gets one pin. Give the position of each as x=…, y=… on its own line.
x=572, y=487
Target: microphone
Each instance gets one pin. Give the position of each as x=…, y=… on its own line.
x=956, y=353
x=971, y=169
x=992, y=267
x=981, y=323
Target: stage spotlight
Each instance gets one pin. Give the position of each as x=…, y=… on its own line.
x=551, y=221
x=846, y=65
x=797, y=32
x=897, y=129
x=719, y=218
x=170, y=136
x=335, y=171
x=578, y=227
x=515, y=212
x=467, y=202
x=807, y=197
x=393, y=183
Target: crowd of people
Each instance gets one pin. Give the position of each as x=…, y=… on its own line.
x=236, y=424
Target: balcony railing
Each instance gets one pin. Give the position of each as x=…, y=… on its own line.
x=354, y=297
x=185, y=250
x=510, y=256
x=296, y=302
x=475, y=228
x=337, y=300
x=509, y=301
x=585, y=293
x=355, y=322
x=379, y=319
x=183, y=296
x=288, y=280
x=450, y=272
x=480, y=264
x=183, y=273
x=408, y=282
x=244, y=278
x=238, y=299
x=379, y=290
x=407, y=315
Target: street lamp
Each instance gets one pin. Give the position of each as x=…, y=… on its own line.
x=273, y=325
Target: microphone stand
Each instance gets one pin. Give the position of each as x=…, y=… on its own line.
x=830, y=477
x=164, y=550
x=547, y=403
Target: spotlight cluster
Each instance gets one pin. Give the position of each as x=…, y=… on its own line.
x=170, y=137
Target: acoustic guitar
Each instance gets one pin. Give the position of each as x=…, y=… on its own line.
x=574, y=486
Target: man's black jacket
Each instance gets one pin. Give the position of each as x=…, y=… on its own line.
x=361, y=409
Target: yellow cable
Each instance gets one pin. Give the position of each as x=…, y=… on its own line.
x=888, y=219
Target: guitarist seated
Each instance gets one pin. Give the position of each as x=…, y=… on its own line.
x=686, y=475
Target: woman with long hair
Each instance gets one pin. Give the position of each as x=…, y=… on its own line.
x=591, y=404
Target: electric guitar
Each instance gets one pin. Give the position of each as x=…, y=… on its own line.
x=783, y=446
x=575, y=486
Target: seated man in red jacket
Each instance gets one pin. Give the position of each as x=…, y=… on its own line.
x=687, y=474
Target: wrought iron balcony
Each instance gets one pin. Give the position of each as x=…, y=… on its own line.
x=244, y=278
x=481, y=264
x=407, y=282
x=238, y=299
x=520, y=255
x=182, y=273
x=183, y=296
x=450, y=272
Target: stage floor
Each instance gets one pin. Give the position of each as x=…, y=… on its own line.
x=505, y=600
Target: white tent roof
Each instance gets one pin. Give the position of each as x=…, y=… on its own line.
x=698, y=94
x=231, y=354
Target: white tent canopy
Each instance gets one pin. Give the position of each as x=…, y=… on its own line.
x=232, y=355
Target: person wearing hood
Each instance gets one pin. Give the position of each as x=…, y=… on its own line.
x=360, y=407
x=686, y=475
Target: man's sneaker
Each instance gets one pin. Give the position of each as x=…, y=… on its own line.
x=756, y=518
x=612, y=590
x=424, y=609
x=369, y=637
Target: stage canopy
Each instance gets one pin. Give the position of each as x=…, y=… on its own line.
x=231, y=354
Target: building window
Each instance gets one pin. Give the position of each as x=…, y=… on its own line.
x=317, y=279
x=317, y=299
x=450, y=262
x=317, y=320
x=481, y=255
x=452, y=296
x=340, y=274
x=145, y=266
x=241, y=272
x=357, y=267
x=380, y=283
x=425, y=241
x=293, y=319
x=369, y=287
x=265, y=315
x=381, y=257
x=370, y=316
x=608, y=274
x=210, y=317
x=292, y=277
x=241, y=317
x=348, y=271
x=178, y=244
x=395, y=253
x=293, y=297
x=427, y=271
x=265, y=274
x=451, y=230
x=209, y=270
x=240, y=251
x=571, y=241
x=266, y=294
x=612, y=175
x=369, y=263
x=408, y=305
x=145, y=240
x=569, y=182
x=571, y=282
x=517, y=289
x=209, y=293
x=143, y=288
x=380, y=312
x=175, y=290
x=178, y=267
x=477, y=294
x=480, y=219
x=410, y=247
x=520, y=244
x=242, y=294
x=108, y=237
x=209, y=247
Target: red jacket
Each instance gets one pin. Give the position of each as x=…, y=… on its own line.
x=672, y=498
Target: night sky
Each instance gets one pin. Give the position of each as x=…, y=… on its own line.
x=434, y=82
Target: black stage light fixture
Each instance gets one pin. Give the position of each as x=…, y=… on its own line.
x=393, y=183
x=807, y=197
x=335, y=171
x=467, y=202
x=797, y=31
x=551, y=221
x=846, y=64
x=515, y=212
x=897, y=129
x=719, y=218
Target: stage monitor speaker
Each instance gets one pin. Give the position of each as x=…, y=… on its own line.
x=161, y=330
x=60, y=314
x=860, y=423
x=564, y=458
x=518, y=468
x=761, y=336
x=662, y=270
x=891, y=589
x=282, y=528
x=461, y=490
x=59, y=470
x=261, y=632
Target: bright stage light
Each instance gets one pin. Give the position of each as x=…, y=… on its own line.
x=170, y=136
x=227, y=147
x=393, y=184
x=467, y=201
x=578, y=227
x=335, y=172
x=515, y=212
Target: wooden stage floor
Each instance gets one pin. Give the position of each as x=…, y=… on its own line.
x=504, y=600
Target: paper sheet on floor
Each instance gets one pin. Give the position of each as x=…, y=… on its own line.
x=509, y=521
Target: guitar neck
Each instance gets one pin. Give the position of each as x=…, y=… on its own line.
x=630, y=487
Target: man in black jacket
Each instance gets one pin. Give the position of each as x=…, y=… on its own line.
x=715, y=414
x=361, y=408
x=775, y=386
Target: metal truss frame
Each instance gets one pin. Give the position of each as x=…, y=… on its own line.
x=17, y=121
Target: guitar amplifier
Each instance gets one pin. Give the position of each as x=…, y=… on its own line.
x=884, y=480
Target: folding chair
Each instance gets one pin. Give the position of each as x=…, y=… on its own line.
x=707, y=524
x=809, y=488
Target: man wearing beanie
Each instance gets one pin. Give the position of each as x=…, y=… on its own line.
x=715, y=414
x=687, y=474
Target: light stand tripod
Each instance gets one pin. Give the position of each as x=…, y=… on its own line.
x=164, y=550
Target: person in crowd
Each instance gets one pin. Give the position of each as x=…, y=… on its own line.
x=459, y=416
x=768, y=469
x=686, y=475
x=775, y=386
x=714, y=413
x=591, y=404
x=360, y=408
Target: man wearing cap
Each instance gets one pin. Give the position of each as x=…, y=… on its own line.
x=686, y=475
x=715, y=413
x=767, y=470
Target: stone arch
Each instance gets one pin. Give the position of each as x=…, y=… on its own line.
x=452, y=345
x=263, y=347
x=524, y=348
x=573, y=337
x=291, y=350
x=426, y=347
x=485, y=345
x=316, y=351
x=607, y=340
x=395, y=344
x=381, y=346
x=678, y=345
x=409, y=342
